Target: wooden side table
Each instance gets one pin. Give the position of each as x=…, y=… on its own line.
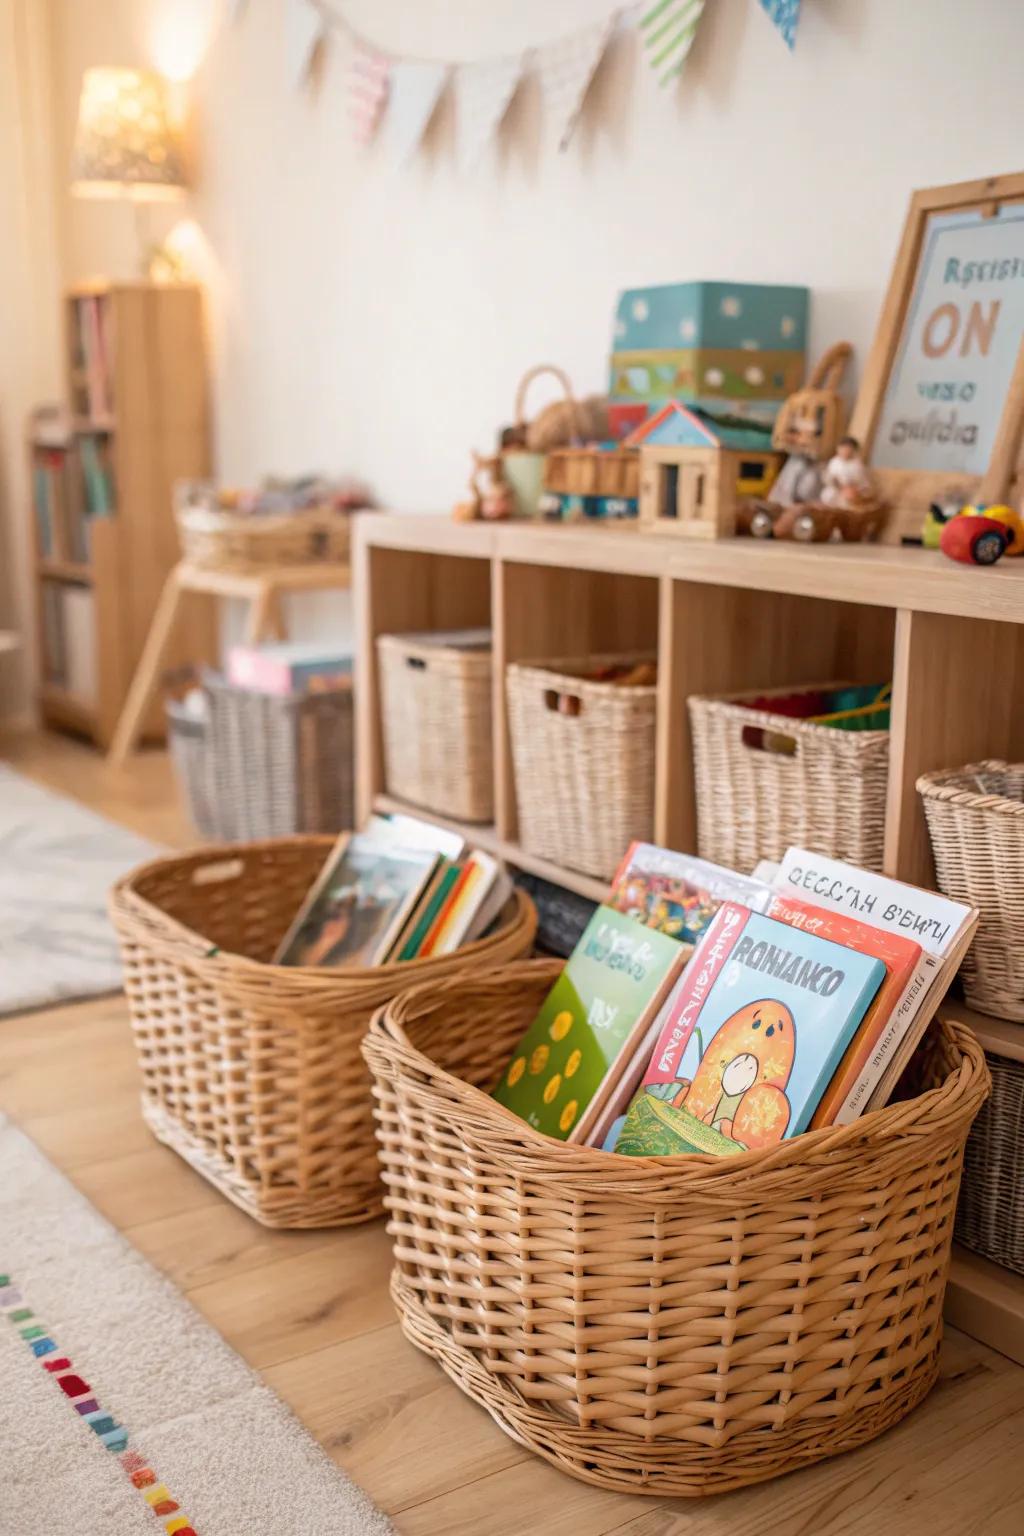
x=261, y=588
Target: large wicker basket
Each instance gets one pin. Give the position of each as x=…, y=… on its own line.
x=766, y=781
x=662, y=1325
x=583, y=757
x=436, y=711
x=259, y=765
x=251, y=1071
x=218, y=539
x=975, y=820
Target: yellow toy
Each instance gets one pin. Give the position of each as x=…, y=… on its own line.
x=1001, y=513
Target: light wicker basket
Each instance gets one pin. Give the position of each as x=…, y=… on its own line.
x=975, y=821
x=753, y=801
x=990, y=1215
x=263, y=765
x=252, y=1071
x=584, y=780
x=219, y=539
x=662, y=1325
x=436, y=716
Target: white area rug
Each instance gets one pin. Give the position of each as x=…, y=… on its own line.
x=57, y=863
x=123, y=1411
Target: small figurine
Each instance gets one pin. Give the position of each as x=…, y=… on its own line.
x=807, y=430
x=494, y=500
x=847, y=481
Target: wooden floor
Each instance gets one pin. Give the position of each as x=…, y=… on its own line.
x=310, y=1311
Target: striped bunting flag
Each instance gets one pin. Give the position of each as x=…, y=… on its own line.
x=786, y=16
x=668, y=29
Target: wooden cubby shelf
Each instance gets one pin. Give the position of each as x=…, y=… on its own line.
x=723, y=616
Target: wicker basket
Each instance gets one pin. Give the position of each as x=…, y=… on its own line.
x=251, y=1071
x=436, y=715
x=824, y=791
x=265, y=765
x=975, y=820
x=231, y=541
x=584, y=779
x=990, y=1216
x=662, y=1325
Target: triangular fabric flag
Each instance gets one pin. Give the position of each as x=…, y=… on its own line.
x=483, y=92
x=415, y=89
x=668, y=29
x=786, y=16
x=566, y=69
x=304, y=34
x=369, y=81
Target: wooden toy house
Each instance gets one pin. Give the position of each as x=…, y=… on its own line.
x=694, y=471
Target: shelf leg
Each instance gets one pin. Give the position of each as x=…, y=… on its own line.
x=147, y=673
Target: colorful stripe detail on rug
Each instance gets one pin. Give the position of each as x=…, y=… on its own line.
x=113, y=1435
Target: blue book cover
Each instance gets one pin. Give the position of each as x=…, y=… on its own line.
x=751, y=1036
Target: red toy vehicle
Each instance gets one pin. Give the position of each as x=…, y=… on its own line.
x=975, y=539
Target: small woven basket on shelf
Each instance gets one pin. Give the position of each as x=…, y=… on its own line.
x=662, y=1325
x=975, y=821
x=252, y=1071
x=990, y=1215
x=216, y=538
x=583, y=758
x=436, y=718
x=258, y=765
x=766, y=781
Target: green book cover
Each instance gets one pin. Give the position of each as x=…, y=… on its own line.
x=613, y=977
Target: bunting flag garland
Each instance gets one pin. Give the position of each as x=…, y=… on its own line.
x=668, y=29
x=483, y=93
x=786, y=16
x=369, y=80
x=395, y=97
x=304, y=32
x=415, y=90
x=567, y=68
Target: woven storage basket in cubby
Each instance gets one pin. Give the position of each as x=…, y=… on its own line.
x=662, y=1325
x=975, y=821
x=805, y=784
x=583, y=756
x=258, y=765
x=990, y=1216
x=252, y=1071
x=436, y=720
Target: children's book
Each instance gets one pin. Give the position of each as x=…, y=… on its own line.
x=677, y=893
x=480, y=874
x=600, y=1006
x=358, y=905
x=290, y=666
x=492, y=906
x=900, y=993
x=758, y=1024
x=421, y=918
x=944, y=928
x=414, y=832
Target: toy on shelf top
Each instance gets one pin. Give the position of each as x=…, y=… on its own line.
x=491, y=495
x=981, y=534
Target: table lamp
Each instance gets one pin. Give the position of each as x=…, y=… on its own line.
x=125, y=146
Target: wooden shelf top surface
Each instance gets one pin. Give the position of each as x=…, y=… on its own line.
x=882, y=575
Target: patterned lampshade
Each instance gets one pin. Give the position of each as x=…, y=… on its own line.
x=124, y=144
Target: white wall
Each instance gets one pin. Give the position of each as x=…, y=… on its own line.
x=380, y=322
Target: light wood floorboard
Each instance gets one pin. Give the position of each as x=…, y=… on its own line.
x=310, y=1310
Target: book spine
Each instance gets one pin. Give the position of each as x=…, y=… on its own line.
x=681, y=1015
x=429, y=945
x=902, y=1017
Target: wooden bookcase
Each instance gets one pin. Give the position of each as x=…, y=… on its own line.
x=137, y=394
x=723, y=616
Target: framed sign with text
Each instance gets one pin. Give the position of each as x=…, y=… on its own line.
x=941, y=404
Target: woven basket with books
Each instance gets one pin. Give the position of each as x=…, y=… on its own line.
x=284, y=523
x=582, y=736
x=436, y=716
x=990, y=1215
x=669, y=1325
x=251, y=1069
x=791, y=765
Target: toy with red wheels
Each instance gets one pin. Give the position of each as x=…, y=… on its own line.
x=981, y=535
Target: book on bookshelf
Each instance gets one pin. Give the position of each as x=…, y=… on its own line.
x=754, y=1031
x=291, y=666
x=594, y=1016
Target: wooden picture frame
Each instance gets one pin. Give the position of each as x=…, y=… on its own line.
x=909, y=490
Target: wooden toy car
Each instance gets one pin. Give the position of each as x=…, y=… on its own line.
x=974, y=539
x=816, y=523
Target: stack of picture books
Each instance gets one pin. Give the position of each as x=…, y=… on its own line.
x=708, y=1011
x=401, y=889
